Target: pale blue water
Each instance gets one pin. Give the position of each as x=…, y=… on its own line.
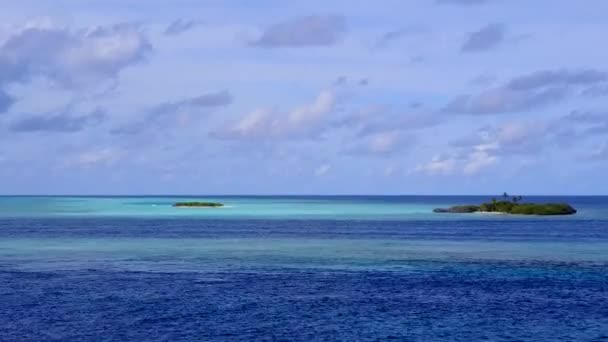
x=270, y=207
x=299, y=268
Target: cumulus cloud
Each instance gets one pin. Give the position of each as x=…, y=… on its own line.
x=169, y=113
x=58, y=122
x=511, y=138
x=312, y=30
x=439, y=165
x=98, y=157
x=486, y=38
x=485, y=147
x=528, y=92
x=480, y=158
x=379, y=131
x=385, y=142
x=378, y=119
x=382, y=143
x=267, y=123
x=180, y=26
x=472, y=162
x=70, y=57
x=537, y=137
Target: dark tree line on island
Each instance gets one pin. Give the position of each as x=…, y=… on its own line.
x=198, y=204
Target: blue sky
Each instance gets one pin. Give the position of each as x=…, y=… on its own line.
x=308, y=97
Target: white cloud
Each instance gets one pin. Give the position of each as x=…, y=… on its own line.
x=478, y=160
x=515, y=137
x=480, y=157
x=530, y=91
x=182, y=113
x=267, y=123
x=437, y=166
x=322, y=170
x=93, y=158
x=70, y=57
x=487, y=146
x=382, y=143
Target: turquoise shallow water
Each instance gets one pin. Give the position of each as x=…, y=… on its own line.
x=299, y=268
x=279, y=207
x=235, y=207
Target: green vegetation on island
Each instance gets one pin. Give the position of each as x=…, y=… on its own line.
x=198, y=204
x=458, y=209
x=512, y=206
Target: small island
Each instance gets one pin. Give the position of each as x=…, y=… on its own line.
x=198, y=205
x=512, y=206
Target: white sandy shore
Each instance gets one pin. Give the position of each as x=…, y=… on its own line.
x=491, y=213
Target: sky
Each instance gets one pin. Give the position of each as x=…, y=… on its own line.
x=308, y=97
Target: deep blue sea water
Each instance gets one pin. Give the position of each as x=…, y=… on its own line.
x=299, y=268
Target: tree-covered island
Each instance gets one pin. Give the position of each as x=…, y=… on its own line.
x=198, y=204
x=512, y=205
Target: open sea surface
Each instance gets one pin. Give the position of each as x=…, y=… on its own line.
x=298, y=268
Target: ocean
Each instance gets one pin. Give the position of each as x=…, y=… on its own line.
x=299, y=268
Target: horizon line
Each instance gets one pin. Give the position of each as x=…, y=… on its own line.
x=283, y=195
